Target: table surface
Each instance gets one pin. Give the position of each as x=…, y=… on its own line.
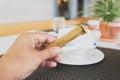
x=18, y=27
x=108, y=69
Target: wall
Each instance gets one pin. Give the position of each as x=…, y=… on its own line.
x=25, y=10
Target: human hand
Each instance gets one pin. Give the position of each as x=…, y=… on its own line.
x=26, y=54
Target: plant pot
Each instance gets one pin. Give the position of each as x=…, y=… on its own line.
x=104, y=30
x=114, y=29
x=109, y=31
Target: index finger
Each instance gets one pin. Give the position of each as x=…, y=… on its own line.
x=43, y=38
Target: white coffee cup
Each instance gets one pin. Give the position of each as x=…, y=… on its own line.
x=82, y=44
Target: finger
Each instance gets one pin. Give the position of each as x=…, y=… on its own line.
x=56, y=58
x=51, y=39
x=48, y=64
x=38, y=45
x=51, y=64
x=43, y=37
x=49, y=53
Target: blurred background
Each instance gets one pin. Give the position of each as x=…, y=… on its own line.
x=17, y=16
x=34, y=10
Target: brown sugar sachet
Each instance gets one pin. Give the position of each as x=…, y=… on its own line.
x=79, y=30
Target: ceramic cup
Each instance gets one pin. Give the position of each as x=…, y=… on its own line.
x=79, y=46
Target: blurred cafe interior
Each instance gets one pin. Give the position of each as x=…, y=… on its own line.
x=22, y=15
x=57, y=17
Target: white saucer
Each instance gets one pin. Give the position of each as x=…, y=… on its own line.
x=92, y=56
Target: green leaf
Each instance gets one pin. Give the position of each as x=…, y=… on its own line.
x=107, y=9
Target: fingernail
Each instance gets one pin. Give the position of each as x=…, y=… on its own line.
x=57, y=50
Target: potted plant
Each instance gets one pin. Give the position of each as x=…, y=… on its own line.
x=108, y=11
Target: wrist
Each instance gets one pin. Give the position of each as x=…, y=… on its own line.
x=5, y=72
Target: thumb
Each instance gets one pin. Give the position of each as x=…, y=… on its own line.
x=49, y=53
